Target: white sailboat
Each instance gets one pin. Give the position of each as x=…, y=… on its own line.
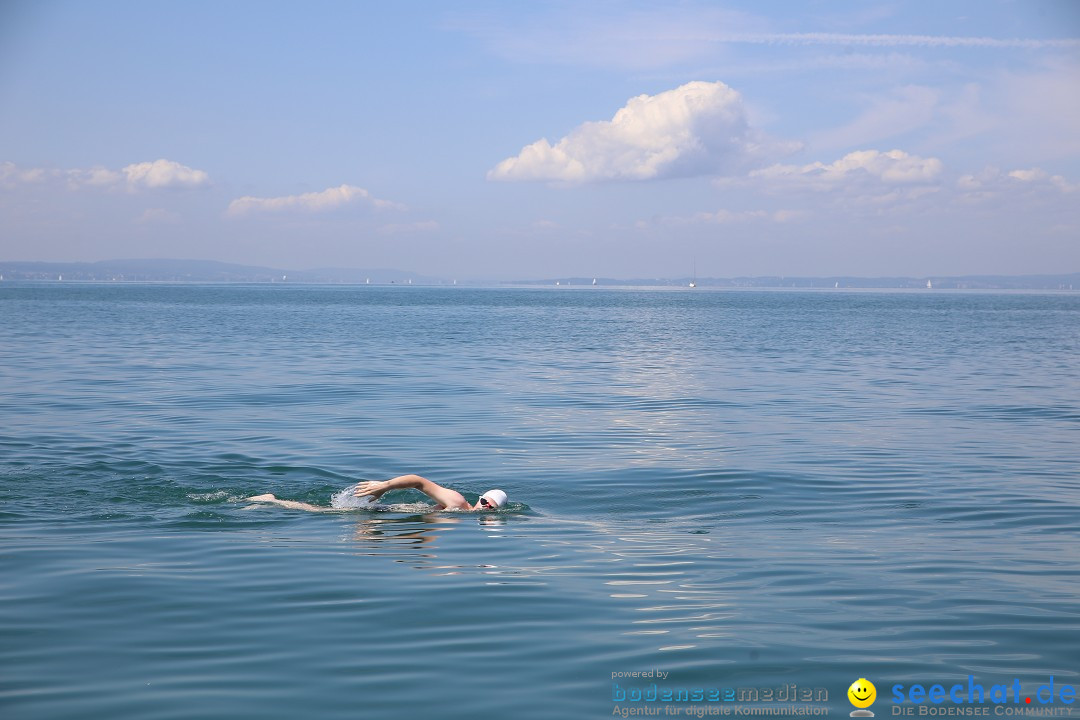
x=693, y=283
x=929, y=285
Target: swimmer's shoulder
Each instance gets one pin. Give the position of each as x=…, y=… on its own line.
x=459, y=503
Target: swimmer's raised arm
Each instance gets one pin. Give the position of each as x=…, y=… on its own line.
x=444, y=496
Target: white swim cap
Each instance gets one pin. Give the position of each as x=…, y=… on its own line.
x=495, y=497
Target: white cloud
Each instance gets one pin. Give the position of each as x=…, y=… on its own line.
x=1032, y=175
x=324, y=200
x=164, y=173
x=147, y=175
x=892, y=167
x=697, y=129
x=996, y=185
x=865, y=181
x=94, y=177
x=11, y=175
x=871, y=183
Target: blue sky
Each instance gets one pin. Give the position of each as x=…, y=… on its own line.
x=525, y=140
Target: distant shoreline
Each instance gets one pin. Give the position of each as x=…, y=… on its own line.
x=206, y=271
x=552, y=288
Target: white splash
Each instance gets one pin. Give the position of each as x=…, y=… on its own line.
x=346, y=500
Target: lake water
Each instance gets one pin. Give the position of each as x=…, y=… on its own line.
x=739, y=489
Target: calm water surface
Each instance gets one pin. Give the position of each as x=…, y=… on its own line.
x=737, y=488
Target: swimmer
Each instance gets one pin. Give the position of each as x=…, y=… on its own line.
x=448, y=499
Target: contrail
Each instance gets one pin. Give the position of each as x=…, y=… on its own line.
x=896, y=40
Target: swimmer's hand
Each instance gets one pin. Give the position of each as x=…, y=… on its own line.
x=371, y=488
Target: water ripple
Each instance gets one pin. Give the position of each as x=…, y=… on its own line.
x=778, y=485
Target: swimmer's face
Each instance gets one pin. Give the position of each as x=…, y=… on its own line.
x=484, y=504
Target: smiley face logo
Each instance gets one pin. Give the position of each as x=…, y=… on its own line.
x=862, y=694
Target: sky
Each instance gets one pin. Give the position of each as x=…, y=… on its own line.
x=495, y=140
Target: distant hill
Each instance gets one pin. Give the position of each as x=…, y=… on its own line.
x=165, y=270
